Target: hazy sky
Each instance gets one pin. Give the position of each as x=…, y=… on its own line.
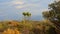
x=12, y=9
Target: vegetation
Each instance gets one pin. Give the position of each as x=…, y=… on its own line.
x=50, y=25
x=54, y=14
x=11, y=31
x=30, y=27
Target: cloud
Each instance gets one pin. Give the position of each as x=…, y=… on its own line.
x=25, y=6
x=12, y=3
x=18, y=2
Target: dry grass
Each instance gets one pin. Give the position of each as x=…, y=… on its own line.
x=27, y=27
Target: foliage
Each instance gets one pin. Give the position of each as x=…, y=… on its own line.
x=31, y=27
x=11, y=31
x=53, y=14
x=26, y=15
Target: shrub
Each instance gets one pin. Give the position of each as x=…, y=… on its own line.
x=11, y=31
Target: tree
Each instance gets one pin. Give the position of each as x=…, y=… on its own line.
x=26, y=14
x=53, y=14
x=54, y=11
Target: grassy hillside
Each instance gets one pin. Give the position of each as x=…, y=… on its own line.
x=26, y=27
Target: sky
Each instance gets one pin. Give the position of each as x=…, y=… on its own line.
x=13, y=9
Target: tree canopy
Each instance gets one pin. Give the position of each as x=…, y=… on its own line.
x=26, y=14
x=54, y=13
